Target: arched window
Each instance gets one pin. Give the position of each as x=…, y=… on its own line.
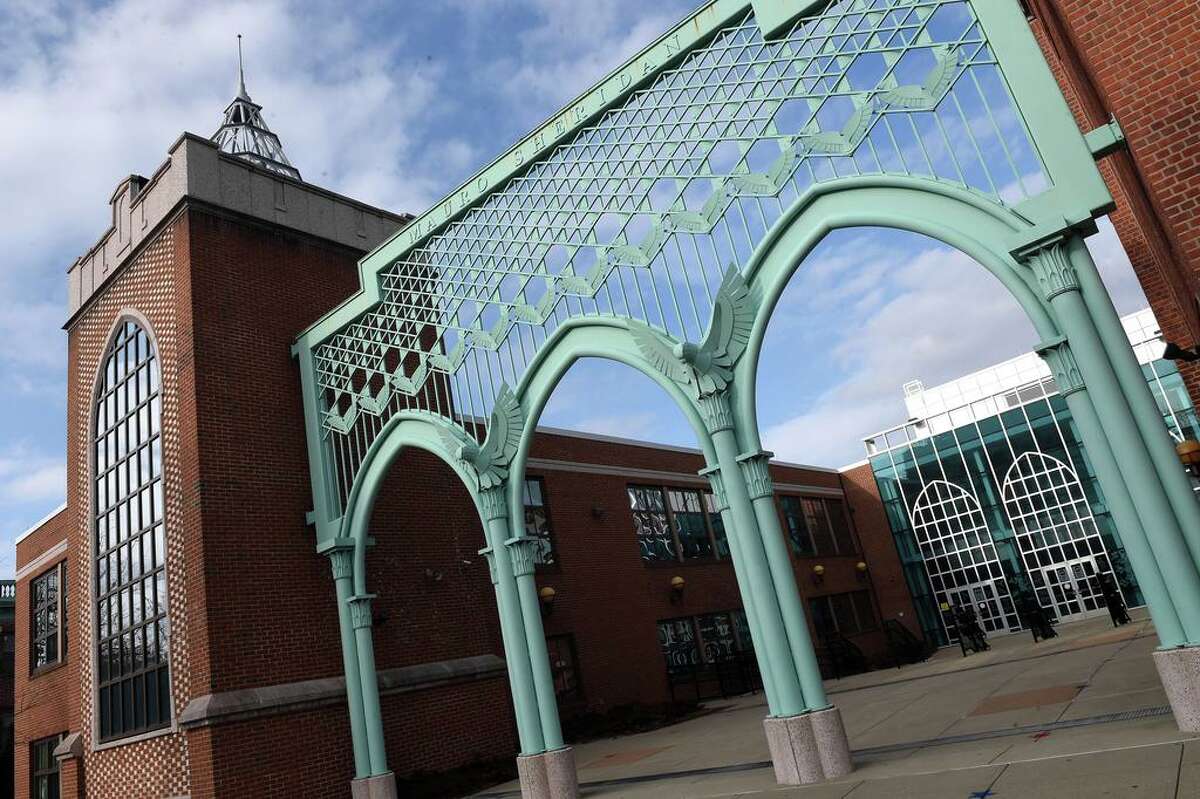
x=960, y=556
x=1057, y=535
x=130, y=546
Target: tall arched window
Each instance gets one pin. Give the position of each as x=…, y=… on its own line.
x=960, y=556
x=130, y=547
x=1057, y=535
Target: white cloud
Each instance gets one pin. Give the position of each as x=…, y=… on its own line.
x=30, y=477
x=944, y=316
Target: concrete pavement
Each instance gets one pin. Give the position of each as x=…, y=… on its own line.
x=1082, y=715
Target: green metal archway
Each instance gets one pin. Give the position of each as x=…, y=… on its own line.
x=655, y=221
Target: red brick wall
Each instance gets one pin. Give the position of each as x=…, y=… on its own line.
x=879, y=548
x=1141, y=62
x=155, y=285
x=47, y=704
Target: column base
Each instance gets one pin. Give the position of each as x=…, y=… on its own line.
x=549, y=775
x=1179, y=670
x=381, y=786
x=832, y=743
x=793, y=749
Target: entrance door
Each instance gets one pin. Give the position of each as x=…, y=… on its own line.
x=1074, y=589
x=990, y=601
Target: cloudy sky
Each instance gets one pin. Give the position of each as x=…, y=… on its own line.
x=394, y=104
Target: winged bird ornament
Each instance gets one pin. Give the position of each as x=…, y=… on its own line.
x=704, y=368
x=490, y=459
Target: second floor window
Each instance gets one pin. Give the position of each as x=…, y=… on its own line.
x=48, y=605
x=818, y=526
x=676, y=524
x=537, y=521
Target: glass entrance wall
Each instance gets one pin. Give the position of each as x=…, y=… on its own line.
x=989, y=484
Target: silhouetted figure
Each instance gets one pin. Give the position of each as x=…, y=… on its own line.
x=1034, y=617
x=1112, y=598
x=969, y=632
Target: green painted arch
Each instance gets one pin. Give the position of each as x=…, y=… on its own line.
x=931, y=208
x=607, y=338
x=406, y=429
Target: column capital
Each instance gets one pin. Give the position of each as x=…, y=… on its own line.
x=340, y=552
x=1058, y=356
x=360, y=611
x=490, y=556
x=1051, y=264
x=757, y=473
x=717, y=411
x=494, y=501
x=522, y=551
x=720, y=499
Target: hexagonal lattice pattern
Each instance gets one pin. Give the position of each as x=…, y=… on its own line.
x=638, y=214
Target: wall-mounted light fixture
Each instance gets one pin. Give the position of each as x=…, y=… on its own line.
x=546, y=597
x=861, y=568
x=677, y=584
x=1174, y=352
x=818, y=574
x=1189, y=454
x=598, y=512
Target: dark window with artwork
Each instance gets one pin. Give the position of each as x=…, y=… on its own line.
x=43, y=768
x=708, y=638
x=537, y=521
x=847, y=614
x=130, y=544
x=818, y=526
x=564, y=666
x=676, y=524
x=48, y=605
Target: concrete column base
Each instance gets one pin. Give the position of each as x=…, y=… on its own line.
x=793, y=749
x=832, y=743
x=549, y=775
x=1179, y=670
x=381, y=786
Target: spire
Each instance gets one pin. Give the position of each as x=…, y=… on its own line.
x=241, y=73
x=244, y=134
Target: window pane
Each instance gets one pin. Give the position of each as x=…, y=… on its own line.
x=130, y=570
x=651, y=527
x=843, y=536
x=537, y=522
x=677, y=637
x=798, y=533
x=689, y=515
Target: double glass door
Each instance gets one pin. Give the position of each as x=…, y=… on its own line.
x=1073, y=589
x=990, y=601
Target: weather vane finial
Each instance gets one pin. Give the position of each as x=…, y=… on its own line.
x=241, y=70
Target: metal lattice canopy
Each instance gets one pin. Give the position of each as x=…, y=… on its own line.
x=634, y=201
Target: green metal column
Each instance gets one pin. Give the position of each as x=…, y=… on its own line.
x=718, y=417
x=521, y=555
x=1056, y=275
x=713, y=473
x=494, y=505
x=341, y=558
x=1137, y=393
x=1158, y=599
x=756, y=471
x=360, y=619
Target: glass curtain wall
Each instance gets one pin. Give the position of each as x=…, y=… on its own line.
x=995, y=503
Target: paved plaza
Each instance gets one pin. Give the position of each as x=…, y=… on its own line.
x=1082, y=715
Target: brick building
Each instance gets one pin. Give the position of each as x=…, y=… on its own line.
x=212, y=636
x=181, y=627
x=1139, y=63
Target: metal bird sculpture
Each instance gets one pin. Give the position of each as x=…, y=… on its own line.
x=491, y=459
x=704, y=368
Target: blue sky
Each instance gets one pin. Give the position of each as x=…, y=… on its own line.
x=394, y=104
